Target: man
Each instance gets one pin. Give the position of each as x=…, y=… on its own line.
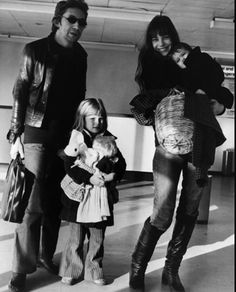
x=50, y=85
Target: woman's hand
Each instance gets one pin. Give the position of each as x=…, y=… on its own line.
x=217, y=107
x=16, y=148
x=97, y=180
x=109, y=177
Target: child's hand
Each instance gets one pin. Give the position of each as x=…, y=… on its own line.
x=109, y=177
x=217, y=107
x=97, y=180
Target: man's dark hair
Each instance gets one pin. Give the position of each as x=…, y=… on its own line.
x=62, y=6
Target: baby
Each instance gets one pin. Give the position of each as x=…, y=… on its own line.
x=203, y=73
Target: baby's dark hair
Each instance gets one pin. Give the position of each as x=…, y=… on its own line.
x=180, y=46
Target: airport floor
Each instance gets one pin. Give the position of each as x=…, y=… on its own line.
x=208, y=265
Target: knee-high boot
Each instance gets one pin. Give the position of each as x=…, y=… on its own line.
x=142, y=254
x=176, y=249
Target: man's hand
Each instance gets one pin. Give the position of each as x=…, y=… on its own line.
x=16, y=148
x=217, y=107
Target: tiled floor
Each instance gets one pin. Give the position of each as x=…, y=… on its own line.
x=208, y=265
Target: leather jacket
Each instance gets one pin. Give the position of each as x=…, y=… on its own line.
x=30, y=92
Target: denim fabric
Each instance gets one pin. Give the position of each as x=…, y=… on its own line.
x=43, y=209
x=167, y=168
x=72, y=262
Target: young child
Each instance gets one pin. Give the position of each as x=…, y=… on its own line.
x=91, y=122
x=203, y=73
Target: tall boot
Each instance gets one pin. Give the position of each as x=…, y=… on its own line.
x=176, y=249
x=142, y=254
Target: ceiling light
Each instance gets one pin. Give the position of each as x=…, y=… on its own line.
x=225, y=23
x=122, y=14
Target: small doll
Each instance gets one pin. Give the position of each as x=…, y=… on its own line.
x=101, y=156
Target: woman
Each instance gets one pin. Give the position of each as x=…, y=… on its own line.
x=156, y=71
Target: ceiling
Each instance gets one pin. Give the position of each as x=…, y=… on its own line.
x=124, y=22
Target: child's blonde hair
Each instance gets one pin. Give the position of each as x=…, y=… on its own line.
x=84, y=108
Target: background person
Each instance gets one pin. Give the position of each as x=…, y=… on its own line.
x=49, y=87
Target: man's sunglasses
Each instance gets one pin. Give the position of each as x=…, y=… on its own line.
x=72, y=20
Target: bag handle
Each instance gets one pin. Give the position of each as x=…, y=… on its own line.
x=18, y=159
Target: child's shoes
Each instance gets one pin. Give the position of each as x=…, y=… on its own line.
x=99, y=282
x=67, y=280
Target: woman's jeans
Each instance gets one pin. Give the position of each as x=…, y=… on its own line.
x=167, y=168
x=41, y=221
x=72, y=257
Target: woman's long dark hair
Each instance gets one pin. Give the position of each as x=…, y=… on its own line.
x=162, y=25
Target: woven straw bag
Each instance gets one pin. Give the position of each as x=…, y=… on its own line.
x=174, y=131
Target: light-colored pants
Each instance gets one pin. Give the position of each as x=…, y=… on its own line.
x=72, y=263
x=41, y=221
